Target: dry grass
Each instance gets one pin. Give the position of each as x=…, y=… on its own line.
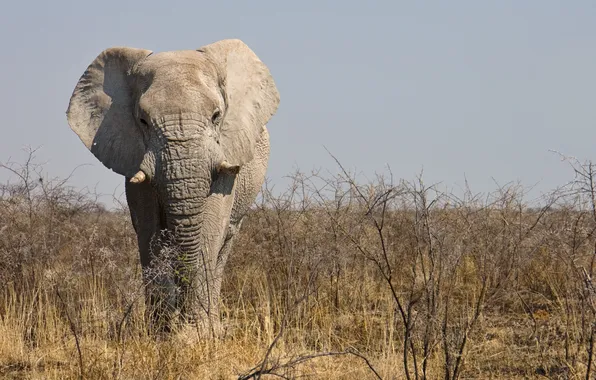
x=332, y=279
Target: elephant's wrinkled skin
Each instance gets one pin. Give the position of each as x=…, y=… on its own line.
x=188, y=131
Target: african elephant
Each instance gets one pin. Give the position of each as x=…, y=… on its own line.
x=187, y=129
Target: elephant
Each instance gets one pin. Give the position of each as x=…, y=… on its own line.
x=188, y=131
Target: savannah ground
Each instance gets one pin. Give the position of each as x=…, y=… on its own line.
x=330, y=279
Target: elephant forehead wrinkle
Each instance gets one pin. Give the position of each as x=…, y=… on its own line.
x=183, y=117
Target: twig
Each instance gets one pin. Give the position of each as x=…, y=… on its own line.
x=74, y=332
x=257, y=373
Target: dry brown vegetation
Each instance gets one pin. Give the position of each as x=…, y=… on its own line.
x=331, y=279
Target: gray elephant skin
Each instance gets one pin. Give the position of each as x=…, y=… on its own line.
x=187, y=130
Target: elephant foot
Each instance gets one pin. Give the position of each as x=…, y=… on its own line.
x=194, y=333
x=204, y=326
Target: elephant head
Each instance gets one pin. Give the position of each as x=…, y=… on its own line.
x=176, y=122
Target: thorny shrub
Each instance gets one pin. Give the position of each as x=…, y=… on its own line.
x=383, y=279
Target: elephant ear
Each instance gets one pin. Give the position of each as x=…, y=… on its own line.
x=101, y=110
x=250, y=94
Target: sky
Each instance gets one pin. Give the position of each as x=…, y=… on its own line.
x=463, y=90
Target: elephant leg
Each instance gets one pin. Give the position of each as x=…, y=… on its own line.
x=157, y=275
x=247, y=185
x=222, y=258
x=225, y=250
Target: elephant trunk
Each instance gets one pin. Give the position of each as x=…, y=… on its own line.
x=185, y=186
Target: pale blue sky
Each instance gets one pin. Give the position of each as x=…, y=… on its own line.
x=465, y=89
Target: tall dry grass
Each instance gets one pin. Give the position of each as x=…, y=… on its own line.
x=331, y=279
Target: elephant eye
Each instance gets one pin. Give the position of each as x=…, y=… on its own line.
x=216, y=116
x=143, y=121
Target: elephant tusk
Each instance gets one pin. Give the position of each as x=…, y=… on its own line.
x=139, y=177
x=226, y=167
